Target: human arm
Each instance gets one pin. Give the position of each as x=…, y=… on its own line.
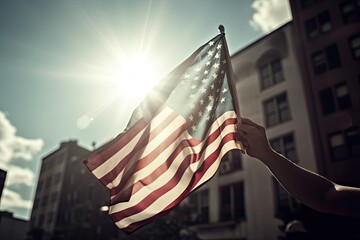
x=308, y=187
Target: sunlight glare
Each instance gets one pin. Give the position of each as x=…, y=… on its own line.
x=135, y=77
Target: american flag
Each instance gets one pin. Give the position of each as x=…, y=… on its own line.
x=174, y=141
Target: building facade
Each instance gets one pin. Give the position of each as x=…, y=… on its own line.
x=244, y=201
x=68, y=201
x=12, y=228
x=328, y=43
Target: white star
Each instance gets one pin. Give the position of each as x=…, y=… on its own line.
x=206, y=71
x=199, y=58
x=207, y=117
x=222, y=100
x=193, y=86
x=203, y=90
x=222, y=72
x=214, y=75
x=202, y=101
x=216, y=65
x=224, y=61
x=217, y=55
x=197, y=69
x=191, y=105
x=210, y=53
x=186, y=75
x=219, y=46
x=204, y=80
x=211, y=43
x=208, y=63
x=200, y=113
x=209, y=108
x=196, y=78
x=212, y=86
x=211, y=98
x=192, y=95
x=191, y=117
x=182, y=82
x=224, y=90
x=193, y=128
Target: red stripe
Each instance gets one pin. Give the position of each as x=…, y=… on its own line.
x=148, y=200
x=145, y=203
x=136, y=151
x=164, y=167
x=118, y=143
x=142, y=163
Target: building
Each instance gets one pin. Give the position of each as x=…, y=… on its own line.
x=2, y=181
x=244, y=201
x=328, y=43
x=12, y=228
x=68, y=201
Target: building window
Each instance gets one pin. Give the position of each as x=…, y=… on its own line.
x=44, y=201
x=326, y=59
x=277, y=110
x=231, y=162
x=334, y=99
x=56, y=178
x=354, y=42
x=350, y=10
x=49, y=218
x=284, y=202
x=199, y=201
x=318, y=25
x=48, y=182
x=53, y=197
x=285, y=145
x=345, y=144
x=271, y=73
x=41, y=221
x=232, y=207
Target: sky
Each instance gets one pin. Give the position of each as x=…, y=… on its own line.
x=75, y=70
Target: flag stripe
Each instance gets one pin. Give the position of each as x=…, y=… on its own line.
x=167, y=194
x=124, y=157
x=136, y=224
x=187, y=146
x=124, y=147
x=138, y=197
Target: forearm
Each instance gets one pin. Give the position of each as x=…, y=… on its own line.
x=308, y=187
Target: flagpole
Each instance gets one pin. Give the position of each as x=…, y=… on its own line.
x=232, y=85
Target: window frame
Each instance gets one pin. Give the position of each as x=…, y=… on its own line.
x=277, y=110
x=269, y=65
x=237, y=203
x=356, y=48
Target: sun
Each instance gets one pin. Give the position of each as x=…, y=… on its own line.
x=135, y=77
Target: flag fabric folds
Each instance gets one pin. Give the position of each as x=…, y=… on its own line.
x=174, y=141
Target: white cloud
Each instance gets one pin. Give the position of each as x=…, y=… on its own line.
x=11, y=199
x=11, y=147
x=19, y=175
x=270, y=14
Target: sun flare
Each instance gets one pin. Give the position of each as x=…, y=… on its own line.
x=135, y=77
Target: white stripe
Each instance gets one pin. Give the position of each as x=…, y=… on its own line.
x=136, y=198
x=164, y=134
x=164, y=200
x=166, y=153
x=111, y=163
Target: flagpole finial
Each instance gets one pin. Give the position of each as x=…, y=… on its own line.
x=221, y=29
